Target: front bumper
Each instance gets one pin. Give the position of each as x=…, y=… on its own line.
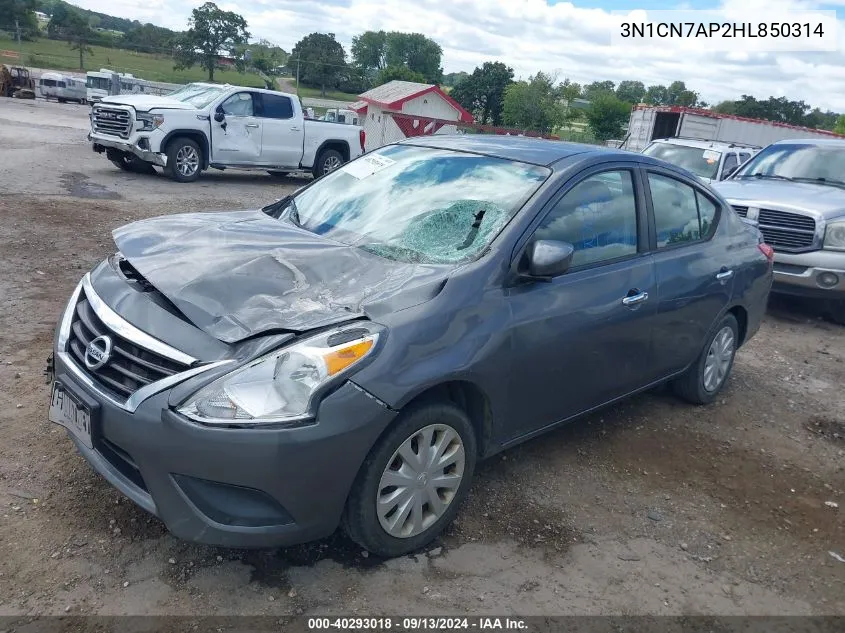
x=100, y=142
x=233, y=487
x=819, y=274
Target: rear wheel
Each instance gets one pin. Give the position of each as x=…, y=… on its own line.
x=327, y=161
x=413, y=481
x=703, y=381
x=184, y=159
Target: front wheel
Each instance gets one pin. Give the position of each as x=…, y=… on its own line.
x=703, y=381
x=327, y=161
x=413, y=481
x=184, y=160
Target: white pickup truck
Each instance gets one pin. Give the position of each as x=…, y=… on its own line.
x=208, y=125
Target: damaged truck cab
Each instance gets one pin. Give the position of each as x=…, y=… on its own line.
x=219, y=126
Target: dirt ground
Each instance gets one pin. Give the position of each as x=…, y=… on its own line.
x=651, y=507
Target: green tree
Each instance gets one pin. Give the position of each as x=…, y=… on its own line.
x=265, y=57
x=569, y=91
x=630, y=91
x=369, y=50
x=678, y=94
x=483, y=92
x=415, y=51
x=72, y=26
x=20, y=13
x=607, y=116
x=839, y=128
x=211, y=31
x=533, y=105
x=453, y=79
x=321, y=60
x=148, y=38
x=591, y=91
x=402, y=73
x=656, y=95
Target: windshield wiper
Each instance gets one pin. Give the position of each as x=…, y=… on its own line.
x=822, y=181
x=760, y=176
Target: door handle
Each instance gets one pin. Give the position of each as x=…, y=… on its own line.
x=294, y=129
x=252, y=124
x=633, y=300
x=725, y=275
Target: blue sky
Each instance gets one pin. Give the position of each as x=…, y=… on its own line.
x=570, y=39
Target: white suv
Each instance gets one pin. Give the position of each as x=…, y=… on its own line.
x=709, y=160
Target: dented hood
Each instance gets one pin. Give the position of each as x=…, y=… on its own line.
x=235, y=275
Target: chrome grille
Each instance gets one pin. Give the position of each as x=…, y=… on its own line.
x=112, y=121
x=785, y=231
x=129, y=368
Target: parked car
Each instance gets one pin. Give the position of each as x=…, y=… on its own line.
x=348, y=353
x=209, y=125
x=709, y=160
x=794, y=191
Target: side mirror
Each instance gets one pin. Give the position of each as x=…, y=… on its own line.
x=219, y=115
x=549, y=258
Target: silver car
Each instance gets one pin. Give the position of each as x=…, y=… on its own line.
x=794, y=192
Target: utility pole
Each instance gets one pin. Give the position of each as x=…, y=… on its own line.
x=297, y=75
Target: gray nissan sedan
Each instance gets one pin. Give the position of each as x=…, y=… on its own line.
x=346, y=355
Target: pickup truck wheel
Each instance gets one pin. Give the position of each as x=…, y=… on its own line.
x=703, y=381
x=184, y=160
x=122, y=162
x=413, y=481
x=327, y=161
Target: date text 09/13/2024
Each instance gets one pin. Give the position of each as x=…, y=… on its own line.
x=417, y=623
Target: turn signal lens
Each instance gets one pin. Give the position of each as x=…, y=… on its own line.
x=339, y=360
x=768, y=251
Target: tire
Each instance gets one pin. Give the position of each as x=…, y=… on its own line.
x=836, y=311
x=693, y=385
x=327, y=161
x=362, y=520
x=121, y=163
x=180, y=151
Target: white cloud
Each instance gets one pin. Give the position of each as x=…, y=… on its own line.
x=531, y=35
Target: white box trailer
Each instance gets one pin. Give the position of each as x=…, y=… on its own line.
x=648, y=123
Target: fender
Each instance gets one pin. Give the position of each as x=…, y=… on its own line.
x=198, y=135
x=347, y=152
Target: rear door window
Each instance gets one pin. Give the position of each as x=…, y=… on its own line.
x=276, y=107
x=682, y=214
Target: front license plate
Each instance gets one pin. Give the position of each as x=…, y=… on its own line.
x=68, y=411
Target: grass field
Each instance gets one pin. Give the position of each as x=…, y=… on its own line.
x=57, y=55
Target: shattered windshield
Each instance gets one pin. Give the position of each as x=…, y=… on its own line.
x=418, y=204
x=198, y=95
x=700, y=161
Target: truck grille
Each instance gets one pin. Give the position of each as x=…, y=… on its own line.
x=785, y=231
x=112, y=121
x=741, y=211
x=129, y=367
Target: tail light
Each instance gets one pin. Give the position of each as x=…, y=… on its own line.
x=767, y=250
x=362, y=136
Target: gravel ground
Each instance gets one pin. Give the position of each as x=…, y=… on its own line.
x=650, y=507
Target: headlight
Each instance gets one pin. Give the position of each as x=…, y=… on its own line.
x=150, y=122
x=280, y=387
x=834, y=236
